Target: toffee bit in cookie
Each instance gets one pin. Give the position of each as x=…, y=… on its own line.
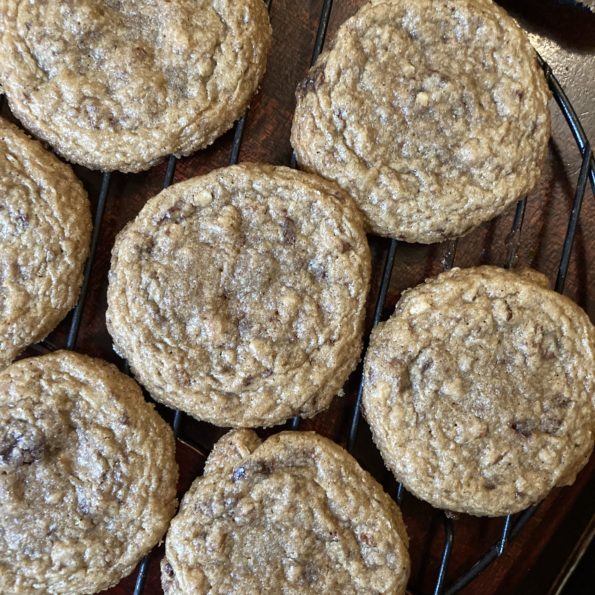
x=433, y=115
x=22, y=444
x=314, y=79
x=239, y=473
x=522, y=427
x=504, y=412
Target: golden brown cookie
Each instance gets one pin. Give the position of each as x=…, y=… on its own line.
x=294, y=514
x=87, y=475
x=45, y=229
x=239, y=296
x=432, y=114
x=480, y=390
x=119, y=85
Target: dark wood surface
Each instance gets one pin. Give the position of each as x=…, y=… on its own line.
x=566, y=38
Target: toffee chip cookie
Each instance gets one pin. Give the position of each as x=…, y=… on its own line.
x=480, y=390
x=45, y=229
x=432, y=114
x=294, y=514
x=120, y=85
x=87, y=475
x=239, y=297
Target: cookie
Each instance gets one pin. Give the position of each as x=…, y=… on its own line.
x=432, y=114
x=87, y=475
x=120, y=85
x=480, y=390
x=239, y=297
x=45, y=230
x=294, y=514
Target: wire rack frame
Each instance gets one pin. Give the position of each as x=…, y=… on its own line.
x=512, y=524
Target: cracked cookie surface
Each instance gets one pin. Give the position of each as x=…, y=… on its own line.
x=480, y=390
x=294, y=514
x=433, y=115
x=119, y=85
x=45, y=229
x=239, y=296
x=87, y=475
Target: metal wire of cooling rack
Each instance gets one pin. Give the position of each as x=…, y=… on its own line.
x=512, y=524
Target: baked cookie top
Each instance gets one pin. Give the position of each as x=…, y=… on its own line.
x=295, y=514
x=480, y=390
x=432, y=114
x=87, y=475
x=239, y=296
x=119, y=85
x=45, y=229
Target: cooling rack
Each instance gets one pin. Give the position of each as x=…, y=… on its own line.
x=387, y=253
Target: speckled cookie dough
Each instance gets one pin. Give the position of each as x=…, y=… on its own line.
x=432, y=114
x=239, y=296
x=119, y=85
x=87, y=475
x=480, y=390
x=45, y=229
x=294, y=514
